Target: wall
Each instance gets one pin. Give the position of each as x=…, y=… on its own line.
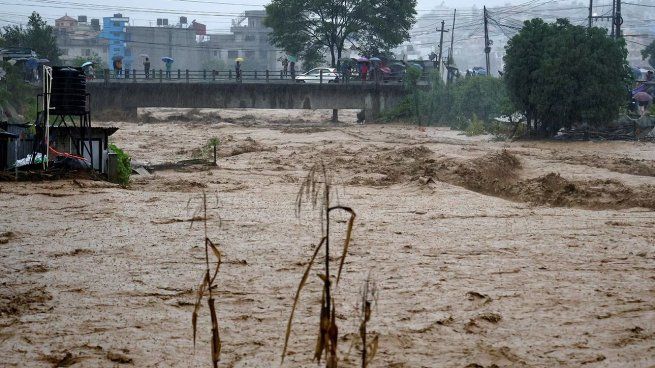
x=157, y=42
x=126, y=97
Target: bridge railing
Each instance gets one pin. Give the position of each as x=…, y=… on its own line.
x=230, y=76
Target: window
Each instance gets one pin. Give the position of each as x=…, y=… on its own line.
x=116, y=24
x=250, y=37
x=232, y=54
x=250, y=54
x=215, y=53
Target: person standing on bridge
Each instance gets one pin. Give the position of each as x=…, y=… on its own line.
x=237, y=69
x=364, y=71
x=169, y=65
x=285, y=66
x=146, y=68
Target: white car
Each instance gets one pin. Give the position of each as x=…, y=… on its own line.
x=330, y=75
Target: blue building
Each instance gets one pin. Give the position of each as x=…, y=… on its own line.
x=114, y=29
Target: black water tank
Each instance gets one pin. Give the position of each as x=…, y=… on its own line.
x=68, y=95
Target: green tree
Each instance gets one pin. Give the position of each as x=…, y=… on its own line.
x=649, y=53
x=38, y=36
x=16, y=93
x=304, y=26
x=559, y=74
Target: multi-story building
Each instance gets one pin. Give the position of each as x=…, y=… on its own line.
x=178, y=42
x=114, y=31
x=78, y=38
x=248, y=38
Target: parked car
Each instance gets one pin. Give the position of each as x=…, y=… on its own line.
x=397, y=73
x=330, y=75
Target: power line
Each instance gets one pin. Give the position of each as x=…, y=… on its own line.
x=634, y=4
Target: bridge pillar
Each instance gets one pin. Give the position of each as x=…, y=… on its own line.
x=372, y=106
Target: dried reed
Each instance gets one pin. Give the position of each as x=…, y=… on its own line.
x=206, y=286
x=369, y=296
x=316, y=189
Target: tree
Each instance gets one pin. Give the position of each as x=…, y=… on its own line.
x=559, y=74
x=304, y=26
x=649, y=52
x=38, y=36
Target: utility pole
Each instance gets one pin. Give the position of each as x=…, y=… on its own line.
x=618, y=19
x=441, y=31
x=593, y=17
x=451, y=53
x=591, y=11
x=452, y=34
x=487, y=43
x=613, y=17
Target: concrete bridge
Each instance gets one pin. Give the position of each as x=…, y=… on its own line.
x=125, y=97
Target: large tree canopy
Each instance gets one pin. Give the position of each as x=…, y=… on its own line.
x=649, y=52
x=37, y=36
x=559, y=74
x=304, y=27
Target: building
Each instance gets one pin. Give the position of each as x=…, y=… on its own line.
x=177, y=42
x=78, y=38
x=65, y=23
x=114, y=31
x=248, y=38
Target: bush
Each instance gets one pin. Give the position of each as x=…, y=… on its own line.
x=124, y=165
x=475, y=127
x=403, y=111
x=455, y=105
x=478, y=96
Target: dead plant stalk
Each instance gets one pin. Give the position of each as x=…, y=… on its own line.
x=206, y=286
x=311, y=190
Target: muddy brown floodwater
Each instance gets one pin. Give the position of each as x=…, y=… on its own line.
x=485, y=254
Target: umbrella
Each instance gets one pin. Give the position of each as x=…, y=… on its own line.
x=239, y=59
x=116, y=57
x=167, y=59
x=43, y=61
x=32, y=63
x=144, y=56
x=417, y=66
x=643, y=97
x=292, y=58
x=375, y=59
x=87, y=64
x=362, y=59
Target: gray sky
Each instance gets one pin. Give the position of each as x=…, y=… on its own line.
x=217, y=14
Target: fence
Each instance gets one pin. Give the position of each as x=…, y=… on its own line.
x=247, y=76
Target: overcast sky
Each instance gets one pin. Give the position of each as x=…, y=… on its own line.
x=217, y=14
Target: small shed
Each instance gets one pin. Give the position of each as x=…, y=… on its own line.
x=90, y=143
x=19, y=147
